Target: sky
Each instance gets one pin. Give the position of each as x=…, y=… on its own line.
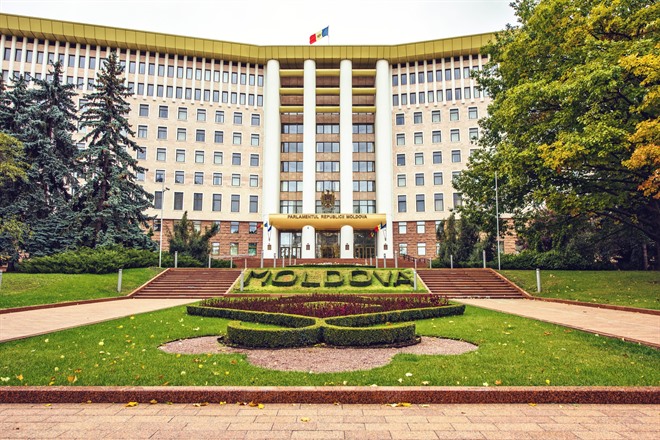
x=283, y=22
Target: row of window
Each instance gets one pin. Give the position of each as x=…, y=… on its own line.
x=420, y=202
x=200, y=135
x=436, y=136
x=234, y=249
x=327, y=185
x=328, y=147
x=198, y=202
x=199, y=156
x=182, y=114
x=422, y=77
x=359, y=207
x=456, y=94
x=161, y=91
x=454, y=115
x=438, y=179
x=198, y=178
x=435, y=155
x=327, y=128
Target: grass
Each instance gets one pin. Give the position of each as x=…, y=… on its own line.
x=630, y=288
x=22, y=289
x=512, y=351
x=318, y=275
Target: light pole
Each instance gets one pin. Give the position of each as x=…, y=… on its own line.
x=497, y=223
x=162, y=204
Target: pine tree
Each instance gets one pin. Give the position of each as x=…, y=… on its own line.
x=186, y=240
x=110, y=202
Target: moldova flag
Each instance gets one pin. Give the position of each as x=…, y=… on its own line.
x=317, y=36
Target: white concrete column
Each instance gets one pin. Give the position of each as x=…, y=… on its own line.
x=271, y=153
x=309, y=139
x=384, y=166
x=346, y=139
x=346, y=238
x=308, y=242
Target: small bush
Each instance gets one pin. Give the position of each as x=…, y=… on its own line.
x=402, y=278
x=273, y=338
x=366, y=336
x=369, y=319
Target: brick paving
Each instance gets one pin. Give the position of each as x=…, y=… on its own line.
x=318, y=421
x=640, y=327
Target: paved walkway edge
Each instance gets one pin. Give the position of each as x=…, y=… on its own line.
x=344, y=395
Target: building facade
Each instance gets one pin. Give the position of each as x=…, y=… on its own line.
x=302, y=151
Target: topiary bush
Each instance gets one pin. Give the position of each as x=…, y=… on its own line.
x=366, y=336
x=333, y=273
x=360, y=283
x=284, y=283
x=274, y=338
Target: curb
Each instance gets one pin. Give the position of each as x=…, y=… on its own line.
x=62, y=304
x=329, y=395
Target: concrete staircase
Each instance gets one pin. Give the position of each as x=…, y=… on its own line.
x=469, y=283
x=189, y=283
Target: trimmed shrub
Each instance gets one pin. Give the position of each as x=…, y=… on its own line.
x=402, y=278
x=369, y=319
x=365, y=336
x=360, y=283
x=307, y=283
x=284, y=283
x=273, y=338
x=333, y=273
x=281, y=319
x=383, y=279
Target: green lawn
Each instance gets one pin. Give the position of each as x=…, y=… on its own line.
x=23, y=289
x=318, y=274
x=631, y=288
x=512, y=351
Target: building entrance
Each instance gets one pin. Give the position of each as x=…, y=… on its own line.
x=290, y=244
x=327, y=245
x=364, y=244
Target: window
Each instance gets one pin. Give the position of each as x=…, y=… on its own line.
x=436, y=137
x=419, y=203
x=142, y=131
x=400, y=119
x=328, y=166
x=362, y=166
x=161, y=154
x=180, y=134
x=163, y=111
x=160, y=176
x=182, y=114
x=235, y=203
x=199, y=156
x=364, y=206
x=141, y=153
x=215, y=248
x=234, y=227
x=252, y=249
x=358, y=185
x=238, y=118
x=455, y=135
x=255, y=120
x=254, y=140
x=254, y=160
x=435, y=116
x=254, y=203
x=403, y=228
x=453, y=114
x=363, y=128
x=236, y=158
x=421, y=249
x=467, y=93
x=404, y=79
x=233, y=248
x=448, y=95
x=458, y=200
x=218, y=137
x=254, y=180
x=472, y=113
x=217, y=179
x=395, y=80
x=180, y=155
x=178, y=201
x=235, y=180
x=237, y=138
x=437, y=178
x=197, y=201
x=217, y=157
x=327, y=128
x=162, y=132
x=421, y=227
x=158, y=199
x=216, y=203
x=200, y=135
x=400, y=139
x=417, y=118
x=403, y=248
x=418, y=138
x=401, y=180
x=179, y=177
x=361, y=147
x=292, y=128
x=404, y=99
x=439, y=201
x=473, y=133
x=401, y=203
x=419, y=179
x=419, y=158
x=219, y=117
x=395, y=100
x=400, y=160
x=201, y=115
x=455, y=156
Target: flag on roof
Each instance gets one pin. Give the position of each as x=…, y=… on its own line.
x=320, y=34
x=264, y=225
x=383, y=225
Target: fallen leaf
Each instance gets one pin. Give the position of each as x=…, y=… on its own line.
x=153, y=401
x=72, y=379
x=19, y=377
x=48, y=404
x=223, y=403
x=131, y=404
x=532, y=404
x=304, y=419
x=498, y=382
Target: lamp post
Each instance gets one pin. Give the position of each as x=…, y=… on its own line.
x=162, y=204
x=497, y=223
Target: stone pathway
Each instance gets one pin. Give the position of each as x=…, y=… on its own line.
x=314, y=421
x=629, y=325
x=38, y=322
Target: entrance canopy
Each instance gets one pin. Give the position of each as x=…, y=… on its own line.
x=326, y=222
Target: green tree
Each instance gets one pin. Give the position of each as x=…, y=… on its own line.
x=567, y=102
x=12, y=164
x=13, y=233
x=187, y=241
x=458, y=239
x=110, y=202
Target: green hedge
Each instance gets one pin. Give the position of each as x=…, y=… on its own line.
x=286, y=283
x=281, y=319
x=384, y=280
x=358, y=283
x=369, y=319
x=273, y=338
x=307, y=283
x=335, y=273
x=529, y=260
x=365, y=336
x=402, y=278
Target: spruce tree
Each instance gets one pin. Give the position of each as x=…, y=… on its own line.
x=187, y=241
x=110, y=202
